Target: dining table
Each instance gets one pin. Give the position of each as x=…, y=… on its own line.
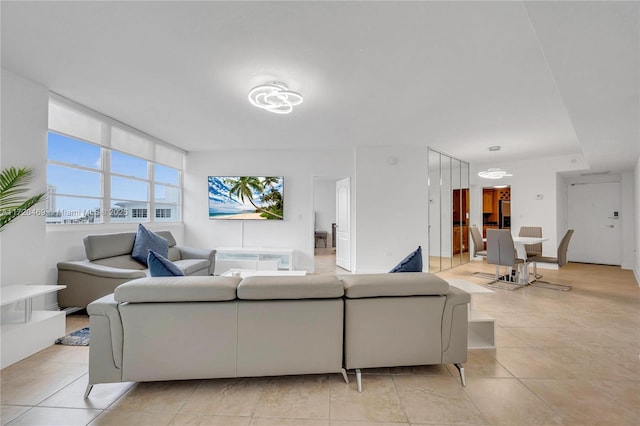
x=520, y=244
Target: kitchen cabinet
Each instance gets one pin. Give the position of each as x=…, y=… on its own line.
x=487, y=201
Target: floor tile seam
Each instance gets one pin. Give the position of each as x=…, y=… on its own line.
x=475, y=405
x=328, y=418
x=258, y=398
x=30, y=407
x=541, y=399
x=122, y=395
x=399, y=395
x=143, y=410
x=593, y=382
x=60, y=389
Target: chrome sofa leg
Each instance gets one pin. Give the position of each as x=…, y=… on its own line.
x=359, y=379
x=344, y=375
x=88, y=390
x=461, y=370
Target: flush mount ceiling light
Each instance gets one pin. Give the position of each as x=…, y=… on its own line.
x=494, y=173
x=275, y=96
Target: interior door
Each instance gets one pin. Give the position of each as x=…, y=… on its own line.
x=593, y=213
x=343, y=223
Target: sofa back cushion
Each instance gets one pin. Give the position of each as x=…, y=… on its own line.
x=101, y=246
x=167, y=236
x=178, y=289
x=405, y=284
x=174, y=253
x=108, y=245
x=290, y=287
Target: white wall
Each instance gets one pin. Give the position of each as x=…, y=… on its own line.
x=636, y=215
x=31, y=249
x=324, y=204
x=627, y=209
x=24, y=143
x=298, y=169
x=627, y=220
x=391, y=206
x=529, y=179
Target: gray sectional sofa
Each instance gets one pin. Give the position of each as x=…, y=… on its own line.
x=109, y=264
x=177, y=328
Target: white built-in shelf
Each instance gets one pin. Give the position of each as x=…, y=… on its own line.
x=263, y=258
x=16, y=293
x=482, y=334
x=25, y=332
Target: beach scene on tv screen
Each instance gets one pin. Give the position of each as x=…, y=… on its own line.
x=246, y=197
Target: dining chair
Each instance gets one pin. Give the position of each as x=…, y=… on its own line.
x=502, y=252
x=478, y=250
x=561, y=260
x=532, y=249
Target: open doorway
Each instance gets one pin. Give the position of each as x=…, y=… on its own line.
x=332, y=236
x=324, y=213
x=496, y=208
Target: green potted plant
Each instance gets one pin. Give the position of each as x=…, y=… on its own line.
x=13, y=183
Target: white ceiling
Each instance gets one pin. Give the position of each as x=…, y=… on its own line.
x=537, y=78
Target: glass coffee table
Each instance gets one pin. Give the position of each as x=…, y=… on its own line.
x=244, y=273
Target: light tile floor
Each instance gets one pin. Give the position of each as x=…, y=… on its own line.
x=563, y=358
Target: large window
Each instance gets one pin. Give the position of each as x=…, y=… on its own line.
x=101, y=171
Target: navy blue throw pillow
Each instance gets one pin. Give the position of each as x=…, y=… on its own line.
x=411, y=263
x=160, y=266
x=145, y=241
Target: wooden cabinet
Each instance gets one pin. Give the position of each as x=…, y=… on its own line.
x=487, y=201
x=460, y=239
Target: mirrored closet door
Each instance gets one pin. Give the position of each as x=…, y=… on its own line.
x=448, y=211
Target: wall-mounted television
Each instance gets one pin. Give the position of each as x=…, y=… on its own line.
x=246, y=197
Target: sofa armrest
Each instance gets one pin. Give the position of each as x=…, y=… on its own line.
x=196, y=253
x=455, y=325
x=105, y=351
x=97, y=270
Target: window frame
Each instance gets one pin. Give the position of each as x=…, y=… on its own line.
x=105, y=200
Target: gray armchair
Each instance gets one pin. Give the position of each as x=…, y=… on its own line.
x=109, y=264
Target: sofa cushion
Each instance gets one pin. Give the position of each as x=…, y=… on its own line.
x=290, y=287
x=177, y=289
x=145, y=241
x=160, y=266
x=408, y=284
x=192, y=266
x=411, y=263
x=122, y=262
